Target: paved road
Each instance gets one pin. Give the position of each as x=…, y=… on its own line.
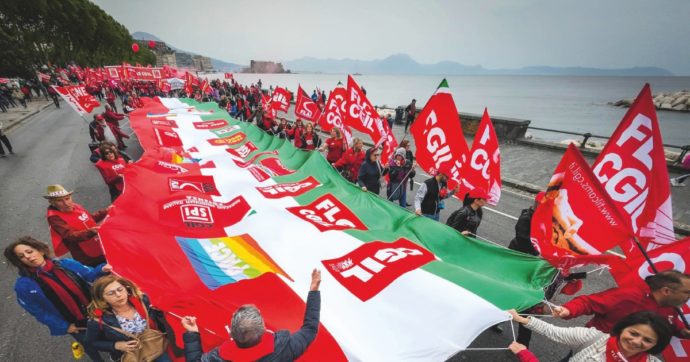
x=52, y=147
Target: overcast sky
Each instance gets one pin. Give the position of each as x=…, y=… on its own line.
x=491, y=33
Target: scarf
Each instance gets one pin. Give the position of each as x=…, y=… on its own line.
x=68, y=292
x=229, y=350
x=613, y=353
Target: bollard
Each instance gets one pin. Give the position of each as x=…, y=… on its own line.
x=584, y=141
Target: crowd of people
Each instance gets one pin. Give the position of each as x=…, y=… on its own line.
x=81, y=297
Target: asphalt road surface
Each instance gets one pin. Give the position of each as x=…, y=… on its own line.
x=52, y=147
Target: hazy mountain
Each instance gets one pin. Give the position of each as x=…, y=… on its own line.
x=218, y=64
x=404, y=64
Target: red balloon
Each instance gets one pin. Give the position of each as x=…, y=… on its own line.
x=135, y=48
x=152, y=44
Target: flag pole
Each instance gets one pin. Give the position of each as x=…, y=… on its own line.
x=400, y=184
x=656, y=271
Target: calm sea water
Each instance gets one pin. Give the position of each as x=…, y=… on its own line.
x=577, y=104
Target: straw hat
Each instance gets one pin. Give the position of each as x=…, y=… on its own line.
x=56, y=191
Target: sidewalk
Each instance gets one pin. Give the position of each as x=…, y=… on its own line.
x=14, y=116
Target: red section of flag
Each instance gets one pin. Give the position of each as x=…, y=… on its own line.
x=199, y=214
x=243, y=151
x=334, y=113
x=370, y=268
x=290, y=189
x=280, y=101
x=584, y=220
x=276, y=167
x=484, y=166
x=78, y=98
x=438, y=137
x=328, y=213
x=201, y=183
x=305, y=107
x=164, y=123
x=167, y=137
x=625, y=167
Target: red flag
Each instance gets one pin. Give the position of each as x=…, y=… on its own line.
x=625, y=167
x=439, y=138
x=228, y=76
x=334, y=112
x=205, y=87
x=42, y=77
x=484, y=167
x=78, y=98
x=362, y=116
x=584, y=220
x=542, y=231
x=305, y=107
x=635, y=269
x=280, y=101
x=191, y=79
x=266, y=105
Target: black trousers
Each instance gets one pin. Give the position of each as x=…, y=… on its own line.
x=7, y=143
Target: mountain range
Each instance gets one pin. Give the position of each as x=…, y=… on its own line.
x=404, y=64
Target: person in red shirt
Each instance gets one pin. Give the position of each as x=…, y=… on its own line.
x=111, y=165
x=73, y=228
x=662, y=293
x=335, y=145
x=110, y=99
x=113, y=120
x=351, y=161
x=295, y=133
x=310, y=140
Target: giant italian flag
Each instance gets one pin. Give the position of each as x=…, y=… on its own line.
x=217, y=214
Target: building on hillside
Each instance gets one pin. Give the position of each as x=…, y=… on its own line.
x=184, y=60
x=260, y=66
x=202, y=63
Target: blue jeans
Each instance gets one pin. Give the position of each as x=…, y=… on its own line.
x=90, y=351
x=403, y=195
x=433, y=217
x=163, y=358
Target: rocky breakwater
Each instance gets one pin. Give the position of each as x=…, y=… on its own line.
x=672, y=101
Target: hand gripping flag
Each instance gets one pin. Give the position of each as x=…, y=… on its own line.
x=441, y=146
x=306, y=108
x=484, y=166
x=583, y=221
x=632, y=168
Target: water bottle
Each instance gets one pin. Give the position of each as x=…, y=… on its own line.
x=77, y=350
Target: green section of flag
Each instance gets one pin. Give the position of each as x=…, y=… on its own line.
x=444, y=84
x=506, y=278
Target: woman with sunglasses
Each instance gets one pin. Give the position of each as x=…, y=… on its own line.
x=118, y=311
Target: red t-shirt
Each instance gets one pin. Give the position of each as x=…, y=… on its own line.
x=335, y=149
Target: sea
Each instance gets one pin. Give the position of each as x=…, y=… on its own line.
x=568, y=103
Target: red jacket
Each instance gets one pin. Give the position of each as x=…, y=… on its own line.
x=113, y=117
x=612, y=305
x=111, y=171
x=351, y=161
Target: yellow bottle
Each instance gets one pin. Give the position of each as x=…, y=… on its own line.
x=77, y=350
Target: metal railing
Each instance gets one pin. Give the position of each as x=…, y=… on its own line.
x=586, y=136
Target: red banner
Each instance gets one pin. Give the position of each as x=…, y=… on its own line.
x=438, y=135
x=77, y=97
x=625, y=167
x=584, y=220
x=305, y=107
x=635, y=269
x=128, y=72
x=280, y=101
x=484, y=166
x=228, y=76
x=334, y=112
